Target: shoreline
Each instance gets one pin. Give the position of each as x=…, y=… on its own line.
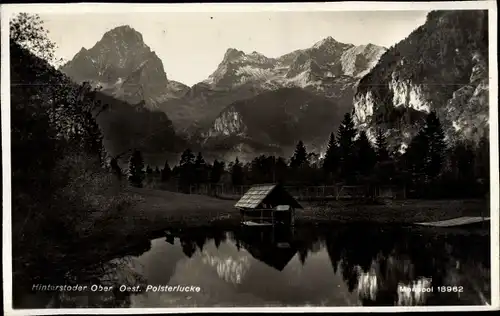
x=162, y=210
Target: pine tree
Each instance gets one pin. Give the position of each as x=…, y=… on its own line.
x=299, y=157
x=200, y=169
x=115, y=168
x=381, y=146
x=482, y=165
x=136, y=169
x=331, y=161
x=237, y=173
x=463, y=158
x=149, y=170
x=346, y=136
x=217, y=170
x=186, y=168
x=416, y=154
x=166, y=172
x=187, y=158
x=384, y=170
x=436, y=145
x=365, y=154
x=281, y=170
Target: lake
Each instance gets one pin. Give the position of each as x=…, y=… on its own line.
x=341, y=265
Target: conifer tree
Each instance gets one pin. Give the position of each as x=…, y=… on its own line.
x=381, y=146
x=416, y=154
x=115, y=168
x=200, y=169
x=281, y=170
x=136, y=169
x=436, y=145
x=346, y=137
x=216, y=172
x=237, y=172
x=331, y=161
x=166, y=172
x=482, y=165
x=365, y=154
x=299, y=157
x=186, y=168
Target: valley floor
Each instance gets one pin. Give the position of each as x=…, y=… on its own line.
x=160, y=209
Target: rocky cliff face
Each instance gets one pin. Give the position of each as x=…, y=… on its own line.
x=124, y=67
x=441, y=67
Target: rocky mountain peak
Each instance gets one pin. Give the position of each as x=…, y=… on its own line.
x=124, y=33
x=232, y=54
x=329, y=41
x=123, y=66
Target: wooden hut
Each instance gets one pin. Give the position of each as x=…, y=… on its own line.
x=268, y=204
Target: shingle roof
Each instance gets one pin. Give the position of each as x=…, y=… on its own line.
x=255, y=196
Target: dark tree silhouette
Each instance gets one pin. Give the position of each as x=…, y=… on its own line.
x=216, y=172
x=237, y=173
x=381, y=146
x=365, y=155
x=115, y=168
x=281, y=170
x=200, y=167
x=482, y=165
x=186, y=169
x=166, y=172
x=263, y=169
x=136, y=169
x=299, y=157
x=346, y=136
x=331, y=161
x=436, y=145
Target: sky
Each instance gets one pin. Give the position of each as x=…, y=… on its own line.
x=192, y=44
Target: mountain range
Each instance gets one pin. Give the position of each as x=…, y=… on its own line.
x=253, y=103
x=329, y=69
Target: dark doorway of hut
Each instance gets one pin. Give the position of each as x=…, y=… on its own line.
x=267, y=205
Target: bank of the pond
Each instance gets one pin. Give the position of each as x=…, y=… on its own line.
x=159, y=209
x=195, y=208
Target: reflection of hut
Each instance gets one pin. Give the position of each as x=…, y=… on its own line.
x=263, y=245
x=267, y=205
x=277, y=258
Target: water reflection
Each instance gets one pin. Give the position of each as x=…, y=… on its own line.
x=338, y=266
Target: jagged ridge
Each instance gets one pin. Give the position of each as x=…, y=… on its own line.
x=329, y=68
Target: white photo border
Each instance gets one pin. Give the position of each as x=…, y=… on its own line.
x=9, y=10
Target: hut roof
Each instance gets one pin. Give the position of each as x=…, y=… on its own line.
x=274, y=193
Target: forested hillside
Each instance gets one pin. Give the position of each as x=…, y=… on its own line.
x=63, y=191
